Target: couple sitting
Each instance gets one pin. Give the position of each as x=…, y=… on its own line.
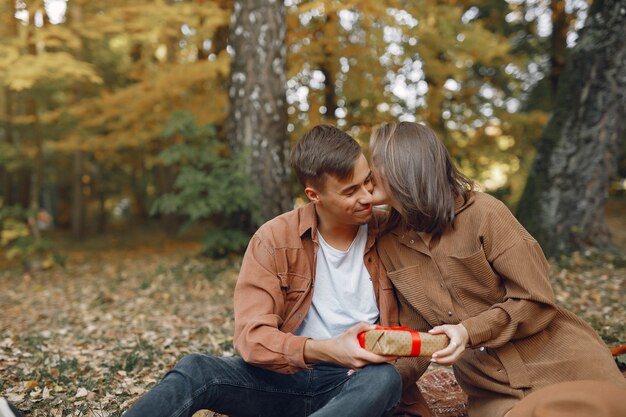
x=447, y=259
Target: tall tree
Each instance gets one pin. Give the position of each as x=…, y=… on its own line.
x=564, y=201
x=258, y=113
x=79, y=206
x=8, y=30
x=561, y=22
x=33, y=110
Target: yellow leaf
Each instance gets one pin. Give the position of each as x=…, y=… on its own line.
x=32, y=384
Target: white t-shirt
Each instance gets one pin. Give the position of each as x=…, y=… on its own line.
x=343, y=294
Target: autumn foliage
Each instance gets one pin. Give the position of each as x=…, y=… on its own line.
x=86, y=90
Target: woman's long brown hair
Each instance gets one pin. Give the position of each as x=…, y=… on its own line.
x=420, y=176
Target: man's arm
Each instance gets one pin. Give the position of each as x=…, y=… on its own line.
x=259, y=312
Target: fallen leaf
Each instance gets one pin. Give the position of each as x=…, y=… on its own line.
x=15, y=398
x=81, y=393
x=32, y=384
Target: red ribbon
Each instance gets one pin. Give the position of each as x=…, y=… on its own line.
x=416, y=340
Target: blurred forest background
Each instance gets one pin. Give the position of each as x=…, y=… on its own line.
x=119, y=114
x=136, y=135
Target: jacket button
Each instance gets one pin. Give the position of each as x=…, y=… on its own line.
x=482, y=349
x=450, y=313
x=411, y=241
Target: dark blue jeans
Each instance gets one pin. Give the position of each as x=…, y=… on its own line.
x=231, y=386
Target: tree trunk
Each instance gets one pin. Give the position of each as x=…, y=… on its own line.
x=10, y=30
x=258, y=112
x=558, y=41
x=79, y=209
x=78, y=197
x=32, y=108
x=220, y=38
x=163, y=182
x=330, y=98
x=37, y=173
x=564, y=201
x=326, y=67
x=5, y=175
x=165, y=177
x=22, y=184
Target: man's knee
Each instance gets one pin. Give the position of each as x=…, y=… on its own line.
x=195, y=365
x=390, y=377
x=386, y=379
x=192, y=361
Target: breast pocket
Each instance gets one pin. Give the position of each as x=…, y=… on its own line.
x=474, y=280
x=409, y=282
x=413, y=283
x=294, y=286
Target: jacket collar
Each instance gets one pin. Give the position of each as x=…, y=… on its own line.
x=308, y=220
x=460, y=205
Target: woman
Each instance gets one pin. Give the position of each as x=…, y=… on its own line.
x=462, y=265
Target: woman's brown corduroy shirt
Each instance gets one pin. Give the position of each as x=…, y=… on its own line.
x=488, y=273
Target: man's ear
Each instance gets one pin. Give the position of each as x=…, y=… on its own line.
x=312, y=194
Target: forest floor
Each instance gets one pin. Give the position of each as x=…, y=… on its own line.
x=90, y=338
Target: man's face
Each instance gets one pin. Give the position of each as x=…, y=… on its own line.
x=348, y=201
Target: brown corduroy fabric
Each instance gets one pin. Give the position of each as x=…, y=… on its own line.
x=574, y=399
x=488, y=273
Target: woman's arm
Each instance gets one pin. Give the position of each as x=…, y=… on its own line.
x=528, y=304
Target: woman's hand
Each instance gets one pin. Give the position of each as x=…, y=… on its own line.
x=458, y=339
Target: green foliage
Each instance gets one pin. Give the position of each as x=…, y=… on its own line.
x=211, y=187
x=103, y=79
x=16, y=239
x=10, y=157
x=14, y=233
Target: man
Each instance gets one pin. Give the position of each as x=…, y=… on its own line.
x=310, y=281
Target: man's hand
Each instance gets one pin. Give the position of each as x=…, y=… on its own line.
x=344, y=350
x=458, y=339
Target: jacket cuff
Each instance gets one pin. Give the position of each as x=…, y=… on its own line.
x=478, y=330
x=294, y=351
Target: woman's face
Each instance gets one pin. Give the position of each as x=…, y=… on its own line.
x=381, y=194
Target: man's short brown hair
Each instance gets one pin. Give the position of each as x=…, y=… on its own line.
x=324, y=150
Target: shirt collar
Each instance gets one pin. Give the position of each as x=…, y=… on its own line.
x=308, y=223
